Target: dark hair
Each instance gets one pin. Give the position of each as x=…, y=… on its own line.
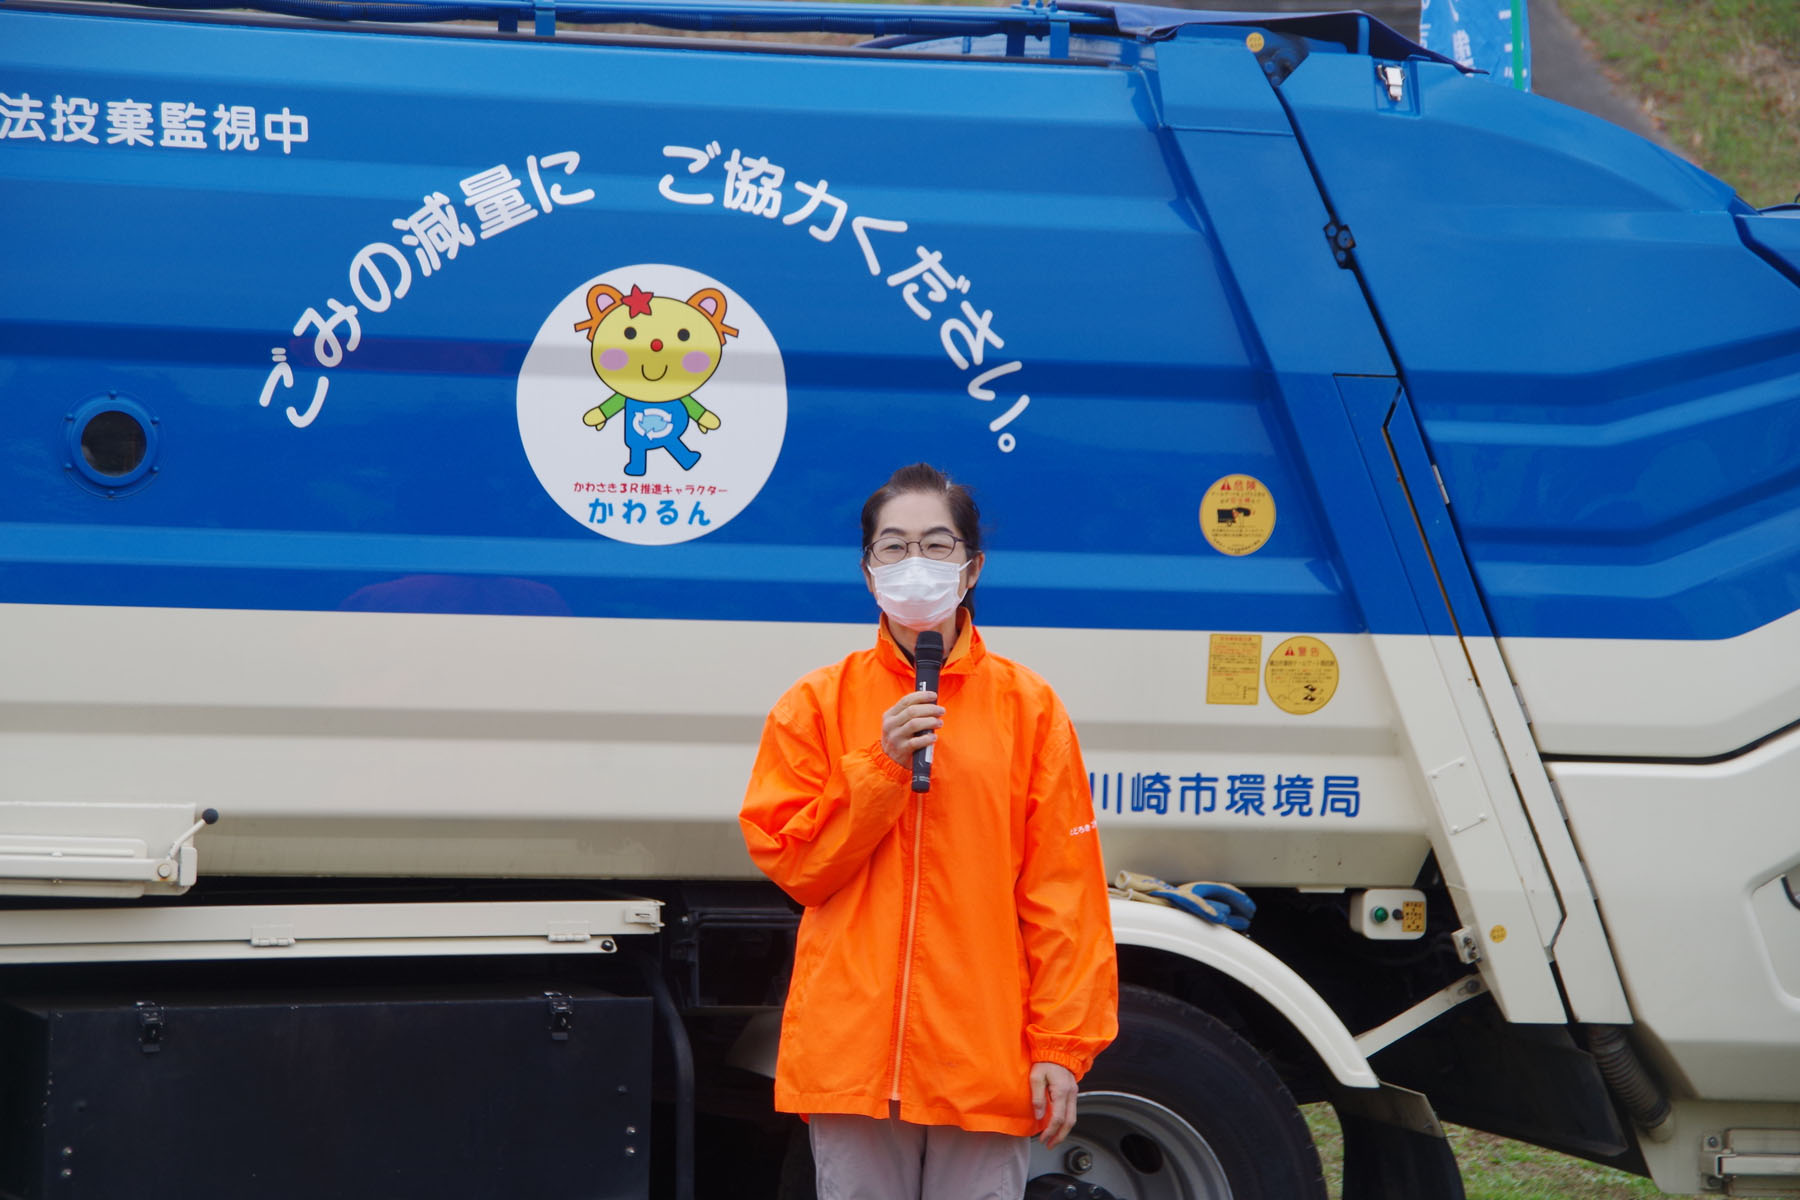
x=923, y=477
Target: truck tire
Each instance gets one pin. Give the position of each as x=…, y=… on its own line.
x=1182, y=1108
x=799, y=1179
x=1178, y=1108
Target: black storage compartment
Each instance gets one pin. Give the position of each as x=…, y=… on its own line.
x=449, y=1093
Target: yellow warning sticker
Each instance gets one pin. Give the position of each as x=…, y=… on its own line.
x=1254, y=41
x=1302, y=675
x=1237, y=515
x=1232, y=667
x=1412, y=916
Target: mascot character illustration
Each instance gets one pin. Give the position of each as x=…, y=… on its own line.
x=654, y=352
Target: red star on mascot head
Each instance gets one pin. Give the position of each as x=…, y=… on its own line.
x=638, y=303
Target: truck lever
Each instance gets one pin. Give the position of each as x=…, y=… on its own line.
x=208, y=817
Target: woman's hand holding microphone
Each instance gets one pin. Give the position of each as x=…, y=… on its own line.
x=911, y=724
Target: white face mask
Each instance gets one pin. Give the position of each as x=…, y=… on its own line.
x=918, y=592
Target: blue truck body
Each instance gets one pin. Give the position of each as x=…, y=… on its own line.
x=1595, y=341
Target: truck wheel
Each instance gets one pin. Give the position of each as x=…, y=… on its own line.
x=1178, y=1108
x=1182, y=1108
x=799, y=1178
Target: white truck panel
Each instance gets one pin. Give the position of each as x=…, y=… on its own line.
x=1687, y=863
x=1629, y=698
x=357, y=743
x=373, y=743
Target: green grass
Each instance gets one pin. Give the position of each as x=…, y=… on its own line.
x=1723, y=77
x=1495, y=1168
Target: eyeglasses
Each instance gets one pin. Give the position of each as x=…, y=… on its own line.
x=890, y=550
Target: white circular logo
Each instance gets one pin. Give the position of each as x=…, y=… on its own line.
x=652, y=404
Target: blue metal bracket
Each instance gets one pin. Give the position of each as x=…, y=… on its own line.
x=1053, y=22
x=545, y=17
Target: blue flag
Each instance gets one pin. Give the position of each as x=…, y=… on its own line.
x=1489, y=35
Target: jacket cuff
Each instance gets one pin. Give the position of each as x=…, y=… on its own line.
x=1077, y=1064
x=887, y=766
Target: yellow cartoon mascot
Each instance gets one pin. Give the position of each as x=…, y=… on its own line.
x=654, y=352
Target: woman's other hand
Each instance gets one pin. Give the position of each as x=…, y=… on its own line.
x=910, y=725
x=1053, y=1095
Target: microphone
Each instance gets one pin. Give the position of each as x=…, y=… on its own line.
x=928, y=657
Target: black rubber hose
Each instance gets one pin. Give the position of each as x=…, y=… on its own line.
x=683, y=1054
x=1625, y=1075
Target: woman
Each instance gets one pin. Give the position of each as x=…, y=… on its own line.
x=954, y=975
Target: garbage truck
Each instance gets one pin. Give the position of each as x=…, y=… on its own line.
x=1395, y=474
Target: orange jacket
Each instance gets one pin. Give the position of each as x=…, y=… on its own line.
x=953, y=938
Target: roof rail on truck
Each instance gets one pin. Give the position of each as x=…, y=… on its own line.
x=1356, y=32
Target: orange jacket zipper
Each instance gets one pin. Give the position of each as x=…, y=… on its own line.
x=912, y=915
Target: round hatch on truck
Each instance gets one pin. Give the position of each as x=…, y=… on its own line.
x=111, y=444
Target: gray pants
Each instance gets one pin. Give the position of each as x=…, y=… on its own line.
x=865, y=1158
